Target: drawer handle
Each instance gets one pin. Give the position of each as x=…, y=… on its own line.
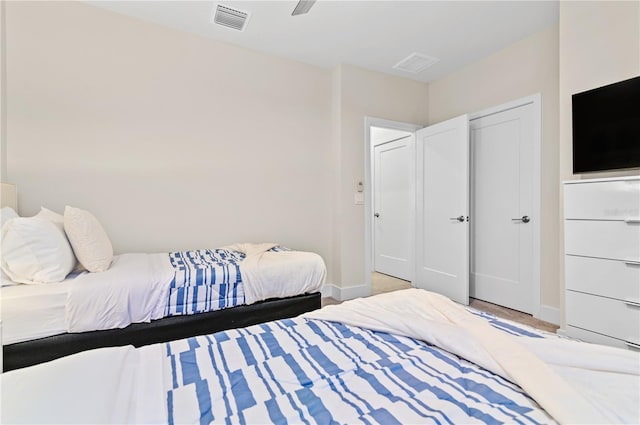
x=631, y=303
x=633, y=345
x=630, y=220
x=632, y=262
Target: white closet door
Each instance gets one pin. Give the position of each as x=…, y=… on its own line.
x=502, y=208
x=442, y=228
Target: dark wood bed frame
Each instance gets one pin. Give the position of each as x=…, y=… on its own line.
x=28, y=353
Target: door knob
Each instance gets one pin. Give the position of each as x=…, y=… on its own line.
x=376, y=215
x=459, y=218
x=524, y=219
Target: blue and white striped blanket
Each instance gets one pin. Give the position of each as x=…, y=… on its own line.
x=206, y=280
x=408, y=356
x=142, y=287
x=313, y=371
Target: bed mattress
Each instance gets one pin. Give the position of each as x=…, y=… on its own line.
x=34, y=311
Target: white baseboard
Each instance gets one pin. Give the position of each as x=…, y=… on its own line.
x=549, y=314
x=329, y=290
x=343, y=294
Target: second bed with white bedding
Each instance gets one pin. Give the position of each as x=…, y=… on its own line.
x=138, y=288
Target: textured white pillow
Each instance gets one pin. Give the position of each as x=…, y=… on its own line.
x=35, y=251
x=89, y=240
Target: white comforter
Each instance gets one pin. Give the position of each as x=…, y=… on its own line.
x=575, y=382
x=267, y=274
x=109, y=385
x=135, y=288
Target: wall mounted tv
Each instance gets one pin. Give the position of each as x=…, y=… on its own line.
x=606, y=127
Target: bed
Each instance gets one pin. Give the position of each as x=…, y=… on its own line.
x=148, y=298
x=404, y=357
x=64, y=291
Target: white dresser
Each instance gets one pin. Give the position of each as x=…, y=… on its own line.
x=602, y=260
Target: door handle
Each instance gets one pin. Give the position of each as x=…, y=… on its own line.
x=460, y=218
x=376, y=215
x=524, y=219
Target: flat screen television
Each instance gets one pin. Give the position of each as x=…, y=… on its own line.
x=606, y=127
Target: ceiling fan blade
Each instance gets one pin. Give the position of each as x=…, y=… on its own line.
x=303, y=7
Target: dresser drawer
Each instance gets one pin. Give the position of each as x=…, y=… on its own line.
x=609, y=278
x=607, y=200
x=604, y=239
x=596, y=338
x=603, y=315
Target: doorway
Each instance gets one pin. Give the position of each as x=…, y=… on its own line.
x=393, y=144
x=392, y=200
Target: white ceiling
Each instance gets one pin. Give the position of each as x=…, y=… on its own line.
x=370, y=34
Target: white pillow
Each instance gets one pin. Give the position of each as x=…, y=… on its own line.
x=52, y=216
x=58, y=220
x=6, y=214
x=88, y=239
x=34, y=251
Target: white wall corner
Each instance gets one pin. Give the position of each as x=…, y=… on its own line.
x=549, y=314
x=344, y=294
x=329, y=290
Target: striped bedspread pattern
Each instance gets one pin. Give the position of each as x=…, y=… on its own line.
x=205, y=280
x=311, y=371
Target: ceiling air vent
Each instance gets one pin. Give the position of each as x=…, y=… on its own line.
x=232, y=18
x=415, y=63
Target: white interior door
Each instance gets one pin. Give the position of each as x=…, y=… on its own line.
x=502, y=208
x=442, y=198
x=392, y=207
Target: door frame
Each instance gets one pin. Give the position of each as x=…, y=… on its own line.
x=368, y=191
x=536, y=101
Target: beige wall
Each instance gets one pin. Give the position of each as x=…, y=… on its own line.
x=522, y=69
x=599, y=44
x=3, y=91
x=174, y=141
x=364, y=93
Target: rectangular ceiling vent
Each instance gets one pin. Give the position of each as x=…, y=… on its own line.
x=231, y=18
x=415, y=63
